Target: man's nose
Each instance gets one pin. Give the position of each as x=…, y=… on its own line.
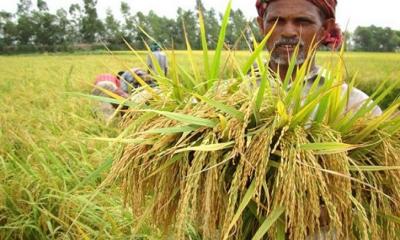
x=290, y=30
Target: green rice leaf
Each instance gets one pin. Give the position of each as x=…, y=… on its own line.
x=296, y=88
x=137, y=122
x=217, y=57
x=369, y=105
x=161, y=81
x=156, y=64
x=280, y=230
x=252, y=207
x=136, y=53
x=94, y=175
x=257, y=52
x=375, y=123
x=99, y=98
x=172, y=130
x=307, y=109
x=264, y=86
x=342, y=102
x=195, y=71
x=388, y=217
x=148, y=35
x=292, y=65
x=176, y=88
x=269, y=221
x=167, y=164
x=187, y=80
x=185, y=118
x=393, y=126
x=220, y=106
x=323, y=105
x=204, y=45
x=245, y=202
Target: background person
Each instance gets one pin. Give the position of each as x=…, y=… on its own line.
x=122, y=85
x=129, y=79
x=103, y=84
x=161, y=58
x=110, y=83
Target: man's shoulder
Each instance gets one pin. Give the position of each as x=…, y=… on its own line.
x=354, y=93
x=357, y=98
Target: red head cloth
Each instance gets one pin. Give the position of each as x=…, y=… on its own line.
x=333, y=38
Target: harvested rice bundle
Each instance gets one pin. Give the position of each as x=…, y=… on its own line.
x=248, y=158
x=204, y=165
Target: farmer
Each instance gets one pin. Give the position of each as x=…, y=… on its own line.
x=130, y=79
x=303, y=23
x=157, y=54
x=108, y=82
x=105, y=85
x=122, y=85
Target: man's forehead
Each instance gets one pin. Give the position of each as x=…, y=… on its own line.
x=292, y=8
x=326, y=7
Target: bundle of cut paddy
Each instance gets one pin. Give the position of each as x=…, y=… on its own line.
x=262, y=158
x=231, y=167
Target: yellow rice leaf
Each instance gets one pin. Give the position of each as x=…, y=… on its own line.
x=208, y=147
x=223, y=122
x=328, y=147
x=83, y=235
x=374, y=168
x=281, y=109
x=122, y=140
x=109, y=93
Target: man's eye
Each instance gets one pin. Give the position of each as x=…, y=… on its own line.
x=304, y=21
x=273, y=20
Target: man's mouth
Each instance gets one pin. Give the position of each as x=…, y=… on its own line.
x=287, y=47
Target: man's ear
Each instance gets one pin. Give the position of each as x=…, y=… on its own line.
x=329, y=25
x=260, y=22
x=326, y=29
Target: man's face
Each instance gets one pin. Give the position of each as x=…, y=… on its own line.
x=298, y=22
